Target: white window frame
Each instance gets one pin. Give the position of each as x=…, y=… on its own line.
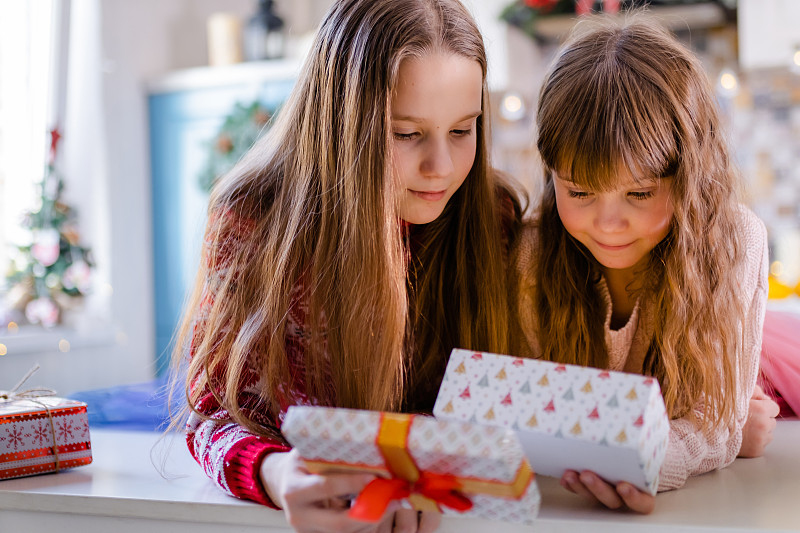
x=33, y=51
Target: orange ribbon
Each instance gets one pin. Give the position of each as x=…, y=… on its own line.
x=425, y=490
x=375, y=498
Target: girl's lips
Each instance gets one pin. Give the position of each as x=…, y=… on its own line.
x=430, y=196
x=612, y=248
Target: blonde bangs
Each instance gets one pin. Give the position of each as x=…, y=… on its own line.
x=597, y=117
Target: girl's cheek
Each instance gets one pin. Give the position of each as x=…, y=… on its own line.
x=568, y=215
x=466, y=158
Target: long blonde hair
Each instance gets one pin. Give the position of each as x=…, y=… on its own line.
x=630, y=94
x=321, y=213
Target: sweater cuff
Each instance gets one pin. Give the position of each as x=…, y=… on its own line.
x=243, y=465
x=674, y=472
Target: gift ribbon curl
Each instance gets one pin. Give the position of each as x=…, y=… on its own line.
x=27, y=394
x=376, y=496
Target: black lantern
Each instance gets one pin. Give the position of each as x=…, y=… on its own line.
x=264, y=36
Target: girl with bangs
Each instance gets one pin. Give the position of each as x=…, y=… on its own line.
x=641, y=257
x=358, y=242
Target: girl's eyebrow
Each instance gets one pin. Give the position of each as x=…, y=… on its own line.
x=418, y=120
x=647, y=182
x=643, y=183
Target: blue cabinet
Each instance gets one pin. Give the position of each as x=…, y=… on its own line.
x=186, y=111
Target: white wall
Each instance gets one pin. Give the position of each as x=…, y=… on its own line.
x=515, y=62
x=769, y=32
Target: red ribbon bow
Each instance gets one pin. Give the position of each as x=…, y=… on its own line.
x=375, y=498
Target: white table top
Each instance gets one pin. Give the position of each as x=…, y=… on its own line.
x=123, y=487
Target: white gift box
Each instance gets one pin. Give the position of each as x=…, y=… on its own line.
x=484, y=460
x=567, y=417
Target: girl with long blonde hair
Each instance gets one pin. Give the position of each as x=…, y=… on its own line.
x=641, y=257
x=359, y=241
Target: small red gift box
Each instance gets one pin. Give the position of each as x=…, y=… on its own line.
x=41, y=435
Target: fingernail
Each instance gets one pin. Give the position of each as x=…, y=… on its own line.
x=624, y=489
x=587, y=478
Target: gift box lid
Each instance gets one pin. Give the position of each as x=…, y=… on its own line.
x=21, y=406
x=347, y=439
x=567, y=416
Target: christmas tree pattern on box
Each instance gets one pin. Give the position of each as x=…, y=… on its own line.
x=567, y=417
x=488, y=463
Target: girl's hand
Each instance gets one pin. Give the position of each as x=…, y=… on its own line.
x=410, y=521
x=319, y=503
x=312, y=502
x=757, y=431
x=592, y=488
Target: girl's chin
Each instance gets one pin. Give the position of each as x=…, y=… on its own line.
x=421, y=216
x=419, y=220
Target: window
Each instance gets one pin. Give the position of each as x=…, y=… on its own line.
x=28, y=55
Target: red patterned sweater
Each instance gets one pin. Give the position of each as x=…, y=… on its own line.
x=230, y=454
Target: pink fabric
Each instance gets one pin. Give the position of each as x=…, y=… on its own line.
x=780, y=360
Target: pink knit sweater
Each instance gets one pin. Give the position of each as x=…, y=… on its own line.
x=690, y=451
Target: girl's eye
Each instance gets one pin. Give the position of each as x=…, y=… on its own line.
x=461, y=133
x=578, y=194
x=405, y=136
x=638, y=195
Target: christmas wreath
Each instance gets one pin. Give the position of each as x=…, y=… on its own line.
x=239, y=131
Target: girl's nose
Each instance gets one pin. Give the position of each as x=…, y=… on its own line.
x=437, y=161
x=610, y=216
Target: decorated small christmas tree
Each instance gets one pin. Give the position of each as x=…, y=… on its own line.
x=52, y=272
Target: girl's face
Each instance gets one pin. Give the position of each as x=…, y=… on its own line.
x=619, y=227
x=435, y=107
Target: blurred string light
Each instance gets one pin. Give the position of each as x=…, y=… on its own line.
x=728, y=83
x=776, y=269
x=63, y=345
x=512, y=107
x=795, y=65
x=13, y=327
x=3, y=349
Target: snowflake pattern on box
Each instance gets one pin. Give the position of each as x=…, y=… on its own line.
x=347, y=438
x=26, y=436
x=597, y=415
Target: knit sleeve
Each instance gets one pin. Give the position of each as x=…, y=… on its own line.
x=691, y=451
x=228, y=453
